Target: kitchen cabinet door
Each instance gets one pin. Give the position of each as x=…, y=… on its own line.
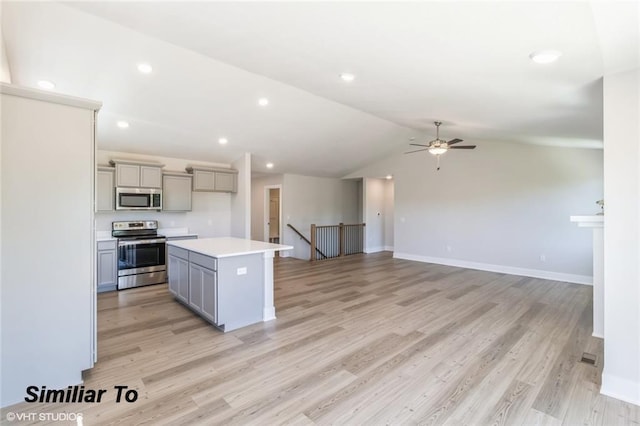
x=209, y=295
x=203, y=180
x=225, y=182
x=127, y=175
x=150, y=177
x=195, y=287
x=105, y=195
x=179, y=277
x=107, y=272
x=202, y=291
x=176, y=192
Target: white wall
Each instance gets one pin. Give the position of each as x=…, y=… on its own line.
x=241, y=201
x=211, y=211
x=499, y=207
x=5, y=70
x=389, y=214
x=310, y=200
x=621, y=375
x=374, y=214
x=257, y=204
x=378, y=214
x=47, y=275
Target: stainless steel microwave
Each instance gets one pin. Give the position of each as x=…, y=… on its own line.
x=138, y=199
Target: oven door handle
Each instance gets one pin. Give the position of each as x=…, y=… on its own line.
x=137, y=242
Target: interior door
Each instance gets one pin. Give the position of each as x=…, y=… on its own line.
x=274, y=215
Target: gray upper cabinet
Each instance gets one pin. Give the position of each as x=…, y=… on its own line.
x=150, y=177
x=203, y=180
x=176, y=192
x=226, y=182
x=105, y=195
x=209, y=179
x=138, y=174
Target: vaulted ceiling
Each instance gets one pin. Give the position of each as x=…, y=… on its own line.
x=463, y=63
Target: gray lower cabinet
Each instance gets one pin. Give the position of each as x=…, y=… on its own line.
x=178, y=273
x=107, y=272
x=228, y=292
x=176, y=192
x=105, y=193
x=202, y=291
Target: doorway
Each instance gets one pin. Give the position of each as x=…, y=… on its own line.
x=272, y=214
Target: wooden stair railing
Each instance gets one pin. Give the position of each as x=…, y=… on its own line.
x=337, y=240
x=308, y=242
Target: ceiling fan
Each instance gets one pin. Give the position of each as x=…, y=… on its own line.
x=439, y=146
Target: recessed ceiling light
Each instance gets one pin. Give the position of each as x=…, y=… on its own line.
x=46, y=85
x=346, y=76
x=269, y=165
x=389, y=177
x=545, y=56
x=222, y=141
x=145, y=68
x=263, y=101
x=122, y=124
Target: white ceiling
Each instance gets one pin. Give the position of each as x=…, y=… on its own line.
x=464, y=63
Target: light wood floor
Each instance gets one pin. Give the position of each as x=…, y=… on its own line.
x=366, y=340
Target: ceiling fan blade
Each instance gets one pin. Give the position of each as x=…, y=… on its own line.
x=452, y=141
x=417, y=144
x=417, y=150
x=463, y=147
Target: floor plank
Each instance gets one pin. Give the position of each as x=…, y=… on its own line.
x=367, y=339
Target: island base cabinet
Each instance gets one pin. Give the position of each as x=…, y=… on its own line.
x=240, y=291
x=179, y=274
x=202, y=292
x=228, y=292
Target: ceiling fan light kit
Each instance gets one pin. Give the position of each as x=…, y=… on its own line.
x=438, y=146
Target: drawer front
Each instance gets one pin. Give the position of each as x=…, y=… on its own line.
x=107, y=245
x=204, y=261
x=178, y=252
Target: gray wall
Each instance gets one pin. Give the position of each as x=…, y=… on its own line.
x=241, y=201
x=378, y=202
x=310, y=200
x=257, y=204
x=501, y=207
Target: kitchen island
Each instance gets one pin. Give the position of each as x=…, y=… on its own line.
x=227, y=281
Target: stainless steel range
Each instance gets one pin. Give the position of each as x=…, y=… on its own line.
x=141, y=253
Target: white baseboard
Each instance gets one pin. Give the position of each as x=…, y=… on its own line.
x=534, y=273
x=622, y=389
x=378, y=249
x=269, y=313
x=373, y=249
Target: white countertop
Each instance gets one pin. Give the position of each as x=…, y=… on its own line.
x=167, y=232
x=176, y=232
x=588, y=221
x=104, y=236
x=227, y=246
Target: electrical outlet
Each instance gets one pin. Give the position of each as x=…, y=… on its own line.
x=449, y=248
x=242, y=271
x=543, y=258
